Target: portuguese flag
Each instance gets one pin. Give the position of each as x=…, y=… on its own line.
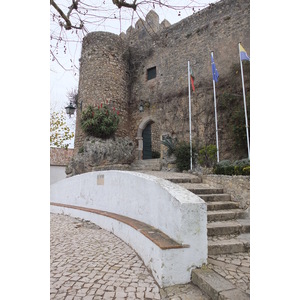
x=192, y=79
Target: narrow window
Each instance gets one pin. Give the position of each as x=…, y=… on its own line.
x=151, y=73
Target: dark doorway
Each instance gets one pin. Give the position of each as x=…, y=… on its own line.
x=147, y=147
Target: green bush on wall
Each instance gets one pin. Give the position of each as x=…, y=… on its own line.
x=239, y=167
x=100, y=121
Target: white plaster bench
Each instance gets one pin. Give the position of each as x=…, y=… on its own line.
x=149, y=213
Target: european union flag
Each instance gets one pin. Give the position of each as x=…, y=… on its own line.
x=215, y=72
x=243, y=53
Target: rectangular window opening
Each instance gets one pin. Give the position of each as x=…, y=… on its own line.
x=151, y=73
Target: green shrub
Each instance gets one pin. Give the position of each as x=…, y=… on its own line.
x=246, y=170
x=100, y=122
x=182, y=153
x=239, y=167
x=208, y=156
x=223, y=167
x=242, y=162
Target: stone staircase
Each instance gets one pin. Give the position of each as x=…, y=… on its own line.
x=146, y=165
x=228, y=231
x=227, y=226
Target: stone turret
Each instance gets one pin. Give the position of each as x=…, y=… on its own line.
x=103, y=78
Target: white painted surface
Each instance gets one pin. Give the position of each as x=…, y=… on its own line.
x=57, y=173
x=155, y=201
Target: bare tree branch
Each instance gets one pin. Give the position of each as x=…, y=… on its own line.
x=78, y=17
x=68, y=25
x=55, y=58
x=123, y=3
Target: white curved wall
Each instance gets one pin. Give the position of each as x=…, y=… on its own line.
x=172, y=209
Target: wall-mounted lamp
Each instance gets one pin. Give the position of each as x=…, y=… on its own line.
x=142, y=105
x=70, y=109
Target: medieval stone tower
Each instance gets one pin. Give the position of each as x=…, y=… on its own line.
x=148, y=66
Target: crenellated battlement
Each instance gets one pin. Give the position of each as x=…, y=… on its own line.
x=150, y=25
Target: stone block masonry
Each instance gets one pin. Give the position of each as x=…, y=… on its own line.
x=237, y=186
x=60, y=156
x=103, y=79
x=116, y=68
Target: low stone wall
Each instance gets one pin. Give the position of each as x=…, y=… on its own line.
x=237, y=186
x=162, y=204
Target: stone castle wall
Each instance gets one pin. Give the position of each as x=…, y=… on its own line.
x=219, y=28
x=103, y=79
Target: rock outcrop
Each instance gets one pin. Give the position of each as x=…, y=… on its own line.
x=102, y=154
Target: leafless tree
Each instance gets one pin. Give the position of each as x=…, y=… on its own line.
x=71, y=20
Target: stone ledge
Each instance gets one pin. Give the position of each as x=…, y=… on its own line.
x=159, y=238
x=217, y=287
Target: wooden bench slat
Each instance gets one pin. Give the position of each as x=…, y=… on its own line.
x=159, y=238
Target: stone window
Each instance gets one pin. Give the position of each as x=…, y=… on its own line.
x=151, y=73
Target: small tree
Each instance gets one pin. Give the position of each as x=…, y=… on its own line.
x=207, y=156
x=60, y=132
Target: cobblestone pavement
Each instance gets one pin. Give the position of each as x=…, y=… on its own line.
x=233, y=267
x=183, y=292
x=88, y=262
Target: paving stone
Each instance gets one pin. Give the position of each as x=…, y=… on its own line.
x=91, y=262
x=109, y=295
x=233, y=294
x=224, y=266
x=97, y=255
x=121, y=294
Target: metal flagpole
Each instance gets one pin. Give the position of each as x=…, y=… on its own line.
x=245, y=105
x=190, y=116
x=216, y=116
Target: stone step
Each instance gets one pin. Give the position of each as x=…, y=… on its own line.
x=221, y=205
x=224, y=215
x=146, y=164
x=186, y=180
x=200, y=188
x=176, y=177
x=201, y=191
x=215, y=286
x=215, y=197
x=235, y=245
x=228, y=227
